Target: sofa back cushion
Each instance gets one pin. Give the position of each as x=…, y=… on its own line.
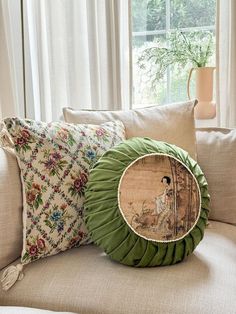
x=172, y=123
x=216, y=149
x=10, y=209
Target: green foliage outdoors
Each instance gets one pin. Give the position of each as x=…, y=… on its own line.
x=151, y=14
x=148, y=15
x=192, y=13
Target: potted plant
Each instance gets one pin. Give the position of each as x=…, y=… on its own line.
x=192, y=48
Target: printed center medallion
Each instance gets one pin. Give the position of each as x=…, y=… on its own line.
x=159, y=198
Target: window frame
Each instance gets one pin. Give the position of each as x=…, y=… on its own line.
x=165, y=31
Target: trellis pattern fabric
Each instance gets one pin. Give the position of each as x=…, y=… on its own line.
x=55, y=159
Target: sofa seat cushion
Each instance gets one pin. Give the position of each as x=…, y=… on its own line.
x=26, y=310
x=84, y=280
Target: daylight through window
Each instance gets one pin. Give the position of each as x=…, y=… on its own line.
x=154, y=22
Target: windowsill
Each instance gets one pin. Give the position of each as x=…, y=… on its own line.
x=206, y=123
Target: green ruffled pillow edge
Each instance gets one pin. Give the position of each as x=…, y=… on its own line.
x=105, y=223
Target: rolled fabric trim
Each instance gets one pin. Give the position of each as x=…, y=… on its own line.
x=107, y=226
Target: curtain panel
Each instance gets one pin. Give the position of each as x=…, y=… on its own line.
x=76, y=53
x=226, y=63
x=11, y=62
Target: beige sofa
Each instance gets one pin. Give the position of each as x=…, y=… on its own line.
x=84, y=280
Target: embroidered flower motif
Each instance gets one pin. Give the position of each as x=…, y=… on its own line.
x=60, y=226
x=30, y=197
x=63, y=206
x=78, y=183
x=77, y=186
x=50, y=164
x=102, y=135
x=56, y=156
x=34, y=193
x=33, y=250
x=35, y=246
x=77, y=238
x=65, y=136
x=23, y=139
x=100, y=132
x=53, y=162
x=41, y=243
x=25, y=134
x=57, y=217
x=90, y=154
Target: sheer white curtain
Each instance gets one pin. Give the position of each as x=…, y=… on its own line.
x=226, y=63
x=77, y=53
x=11, y=67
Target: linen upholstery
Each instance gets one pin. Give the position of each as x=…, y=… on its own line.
x=26, y=310
x=216, y=149
x=10, y=209
x=84, y=281
x=172, y=123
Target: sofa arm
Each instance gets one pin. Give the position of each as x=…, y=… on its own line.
x=10, y=209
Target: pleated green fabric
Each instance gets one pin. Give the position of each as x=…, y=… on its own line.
x=105, y=223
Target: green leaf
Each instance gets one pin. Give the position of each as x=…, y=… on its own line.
x=25, y=256
x=40, y=201
x=48, y=223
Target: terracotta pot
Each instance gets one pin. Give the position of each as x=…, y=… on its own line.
x=206, y=107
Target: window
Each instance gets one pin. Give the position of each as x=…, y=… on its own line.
x=155, y=20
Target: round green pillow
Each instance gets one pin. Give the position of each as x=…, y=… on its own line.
x=146, y=203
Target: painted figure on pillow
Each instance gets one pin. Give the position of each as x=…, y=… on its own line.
x=165, y=203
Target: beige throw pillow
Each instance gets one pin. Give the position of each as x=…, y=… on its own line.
x=216, y=149
x=173, y=123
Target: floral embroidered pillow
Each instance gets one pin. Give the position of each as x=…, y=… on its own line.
x=55, y=159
